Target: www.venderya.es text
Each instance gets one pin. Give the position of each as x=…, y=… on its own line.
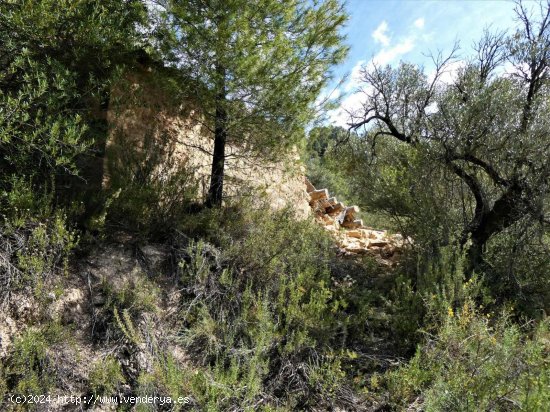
x=97, y=400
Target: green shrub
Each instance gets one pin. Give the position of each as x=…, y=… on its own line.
x=124, y=306
x=262, y=317
x=418, y=295
x=137, y=296
x=3, y=383
x=519, y=262
x=30, y=369
x=475, y=362
x=105, y=376
x=47, y=249
x=167, y=379
x=151, y=190
x=35, y=252
x=326, y=162
x=24, y=201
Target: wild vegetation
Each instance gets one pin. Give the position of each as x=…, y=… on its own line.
x=145, y=289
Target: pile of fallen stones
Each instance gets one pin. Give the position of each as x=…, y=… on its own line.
x=352, y=236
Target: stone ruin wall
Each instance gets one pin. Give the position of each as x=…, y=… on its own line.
x=145, y=127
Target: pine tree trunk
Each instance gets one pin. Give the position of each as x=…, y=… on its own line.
x=215, y=192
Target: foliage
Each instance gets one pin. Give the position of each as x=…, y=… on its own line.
x=259, y=67
x=484, y=132
x=520, y=268
x=105, y=376
x=150, y=192
x=167, y=379
x=32, y=253
x=477, y=362
x=29, y=369
x=419, y=294
x=269, y=316
x=415, y=198
x=324, y=162
x=266, y=319
x=342, y=161
x=123, y=305
x=57, y=59
x=3, y=383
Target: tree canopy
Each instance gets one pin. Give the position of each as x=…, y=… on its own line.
x=488, y=126
x=256, y=67
x=57, y=59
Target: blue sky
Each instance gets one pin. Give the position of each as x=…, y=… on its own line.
x=389, y=31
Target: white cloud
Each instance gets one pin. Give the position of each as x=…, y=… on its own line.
x=419, y=23
x=352, y=103
x=510, y=70
x=431, y=108
x=355, y=77
x=450, y=72
x=353, y=99
x=327, y=95
x=388, y=55
x=380, y=34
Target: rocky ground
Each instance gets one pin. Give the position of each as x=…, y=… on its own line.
x=84, y=302
x=83, y=306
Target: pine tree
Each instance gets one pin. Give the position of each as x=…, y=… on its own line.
x=256, y=67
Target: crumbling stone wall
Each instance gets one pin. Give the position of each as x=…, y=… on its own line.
x=152, y=132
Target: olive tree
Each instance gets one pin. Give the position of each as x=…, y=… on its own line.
x=489, y=125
